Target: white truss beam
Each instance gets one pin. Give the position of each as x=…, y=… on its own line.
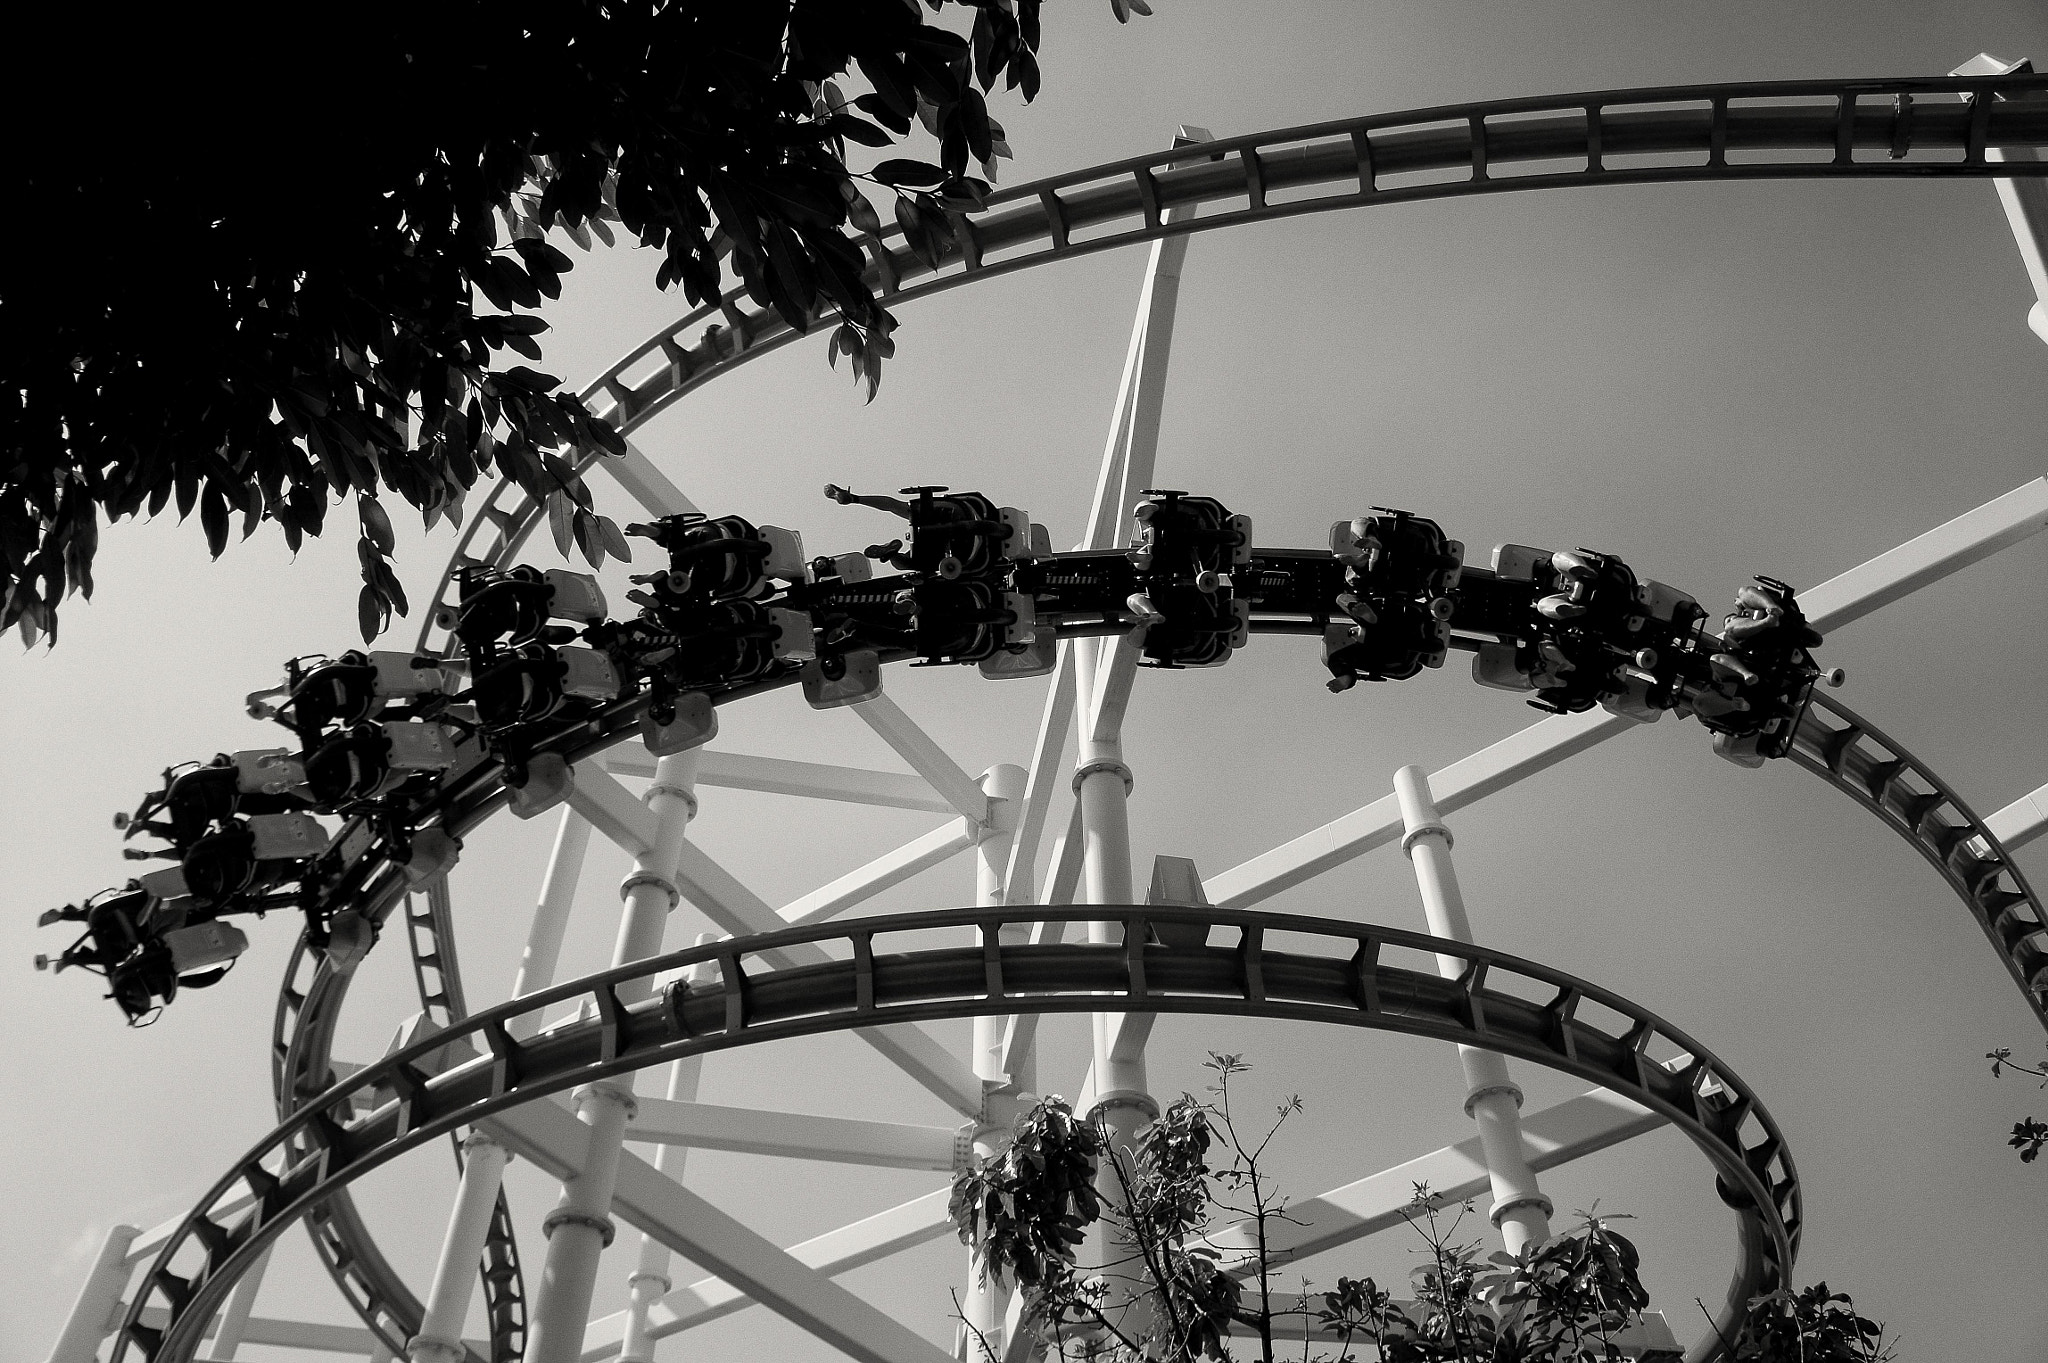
x=809, y=780
x=2025, y=201
x=741, y=912
x=2022, y=821
x=555, y=1142
x=925, y=756
x=1046, y=773
x=891, y=868
x=902, y=1227
x=793, y=1135
x=300, y=1334
x=645, y=483
x=1020, y=1030
x=1946, y=549
x=612, y=810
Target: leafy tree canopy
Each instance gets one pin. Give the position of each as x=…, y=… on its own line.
x=290, y=258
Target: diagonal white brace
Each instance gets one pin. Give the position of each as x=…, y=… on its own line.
x=891, y=868
x=740, y=912
x=863, y=1242
x=645, y=483
x=612, y=809
x=1947, y=548
x=925, y=757
x=555, y=1141
x=1556, y=1135
x=1020, y=1030
x=793, y=1135
x=2022, y=821
x=809, y=780
x=1046, y=774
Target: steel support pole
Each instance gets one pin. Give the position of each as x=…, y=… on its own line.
x=2025, y=201
x=580, y=1226
x=550, y=917
x=92, y=1310
x=234, y=1317
x=983, y=1302
x=650, y=1281
x=476, y=1199
x=1493, y=1101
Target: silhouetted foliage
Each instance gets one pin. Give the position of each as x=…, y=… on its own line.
x=2029, y=1134
x=1180, y=1284
x=260, y=286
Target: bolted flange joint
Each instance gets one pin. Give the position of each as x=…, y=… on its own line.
x=428, y=1349
x=1118, y=1098
x=1423, y=831
x=1088, y=769
x=683, y=793
x=610, y=1091
x=1499, y=1210
x=1512, y=1090
x=662, y=883
x=565, y=1216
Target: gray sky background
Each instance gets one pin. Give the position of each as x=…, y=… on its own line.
x=1711, y=381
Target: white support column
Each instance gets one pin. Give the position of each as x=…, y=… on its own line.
x=1493, y=1100
x=440, y=1336
x=2025, y=201
x=650, y=1281
x=1102, y=682
x=983, y=1301
x=551, y=917
x=234, y=1317
x=92, y=1310
x=580, y=1226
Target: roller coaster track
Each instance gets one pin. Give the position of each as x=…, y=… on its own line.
x=1856, y=758
x=1325, y=971
x=301, y=1067
x=1866, y=129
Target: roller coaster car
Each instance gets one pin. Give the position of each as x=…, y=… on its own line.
x=512, y=608
x=258, y=853
x=1399, y=571
x=709, y=647
x=534, y=681
x=952, y=534
x=1759, y=682
x=1187, y=548
x=368, y=760
x=146, y=948
x=347, y=690
x=1587, y=620
x=1396, y=553
x=726, y=559
x=201, y=799
x=965, y=620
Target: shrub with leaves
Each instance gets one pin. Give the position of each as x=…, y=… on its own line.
x=293, y=256
x=1182, y=1287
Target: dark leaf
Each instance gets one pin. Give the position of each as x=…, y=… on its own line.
x=376, y=524
x=912, y=173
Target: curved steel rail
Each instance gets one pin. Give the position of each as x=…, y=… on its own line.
x=1331, y=972
x=366, y=1279
x=1854, y=756
x=1595, y=138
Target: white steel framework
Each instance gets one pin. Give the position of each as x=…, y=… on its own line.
x=1001, y=817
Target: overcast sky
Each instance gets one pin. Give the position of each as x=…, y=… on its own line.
x=1710, y=381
